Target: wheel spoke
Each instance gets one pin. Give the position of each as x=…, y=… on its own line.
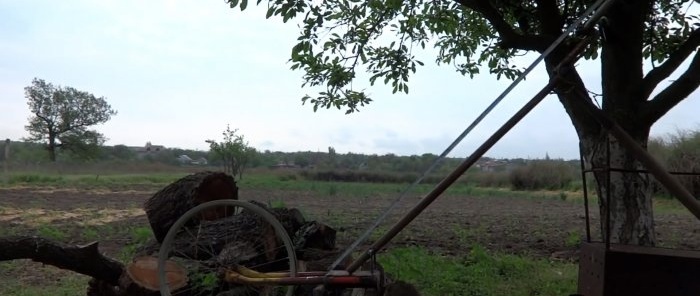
x=265, y=250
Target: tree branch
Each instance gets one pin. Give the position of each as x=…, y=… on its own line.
x=674, y=93
x=550, y=17
x=658, y=74
x=509, y=37
x=86, y=259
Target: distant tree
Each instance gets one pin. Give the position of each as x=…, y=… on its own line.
x=61, y=117
x=302, y=160
x=234, y=152
x=331, y=157
x=122, y=152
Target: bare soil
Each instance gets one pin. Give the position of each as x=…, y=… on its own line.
x=548, y=228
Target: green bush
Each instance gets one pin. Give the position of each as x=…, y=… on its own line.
x=680, y=152
x=364, y=176
x=542, y=174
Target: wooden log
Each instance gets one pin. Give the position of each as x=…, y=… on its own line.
x=84, y=259
x=171, y=202
x=141, y=277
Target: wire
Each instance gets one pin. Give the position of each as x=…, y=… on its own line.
x=580, y=20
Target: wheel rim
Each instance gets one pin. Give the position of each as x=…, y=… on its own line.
x=203, y=261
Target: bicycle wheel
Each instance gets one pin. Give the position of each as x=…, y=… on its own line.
x=249, y=237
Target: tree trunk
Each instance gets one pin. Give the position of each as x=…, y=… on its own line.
x=631, y=219
x=630, y=204
x=52, y=149
x=171, y=202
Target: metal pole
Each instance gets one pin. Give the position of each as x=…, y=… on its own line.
x=464, y=166
x=584, y=183
x=6, y=164
x=452, y=177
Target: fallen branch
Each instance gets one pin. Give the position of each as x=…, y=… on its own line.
x=85, y=259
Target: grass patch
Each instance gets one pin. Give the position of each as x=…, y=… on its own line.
x=140, y=236
x=60, y=283
x=51, y=232
x=269, y=181
x=90, y=180
x=479, y=273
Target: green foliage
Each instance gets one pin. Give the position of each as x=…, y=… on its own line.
x=573, y=239
x=542, y=174
x=233, y=151
x=681, y=153
x=479, y=273
x=338, y=38
x=139, y=237
x=51, y=232
x=364, y=176
x=276, y=204
x=61, y=117
x=35, y=179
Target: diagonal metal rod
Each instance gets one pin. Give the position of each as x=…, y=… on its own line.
x=572, y=28
x=472, y=159
x=654, y=167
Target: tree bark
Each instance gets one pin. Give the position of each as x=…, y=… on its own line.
x=52, y=148
x=629, y=204
x=171, y=202
x=631, y=215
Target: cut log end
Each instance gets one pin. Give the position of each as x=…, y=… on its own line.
x=143, y=272
x=171, y=202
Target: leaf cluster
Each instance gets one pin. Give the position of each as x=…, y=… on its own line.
x=338, y=38
x=233, y=151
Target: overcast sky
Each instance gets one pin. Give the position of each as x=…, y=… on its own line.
x=179, y=71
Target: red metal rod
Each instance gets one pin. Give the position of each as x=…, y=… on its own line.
x=368, y=281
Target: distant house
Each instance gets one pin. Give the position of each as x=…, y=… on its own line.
x=184, y=159
x=493, y=165
x=187, y=160
x=284, y=165
x=142, y=151
x=200, y=161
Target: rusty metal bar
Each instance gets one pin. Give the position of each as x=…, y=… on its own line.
x=585, y=193
x=608, y=186
x=479, y=152
x=473, y=158
x=368, y=280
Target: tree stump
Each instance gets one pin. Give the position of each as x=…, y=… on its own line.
x=171, y=202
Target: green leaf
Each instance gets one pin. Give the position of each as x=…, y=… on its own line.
x=244, y=4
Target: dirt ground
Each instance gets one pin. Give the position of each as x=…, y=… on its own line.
x=540, y=227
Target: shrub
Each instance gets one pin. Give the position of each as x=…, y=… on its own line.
x=542, y=174
x=681, y=153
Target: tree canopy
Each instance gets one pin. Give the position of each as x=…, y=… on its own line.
x=61, y=118
x=340, y=38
